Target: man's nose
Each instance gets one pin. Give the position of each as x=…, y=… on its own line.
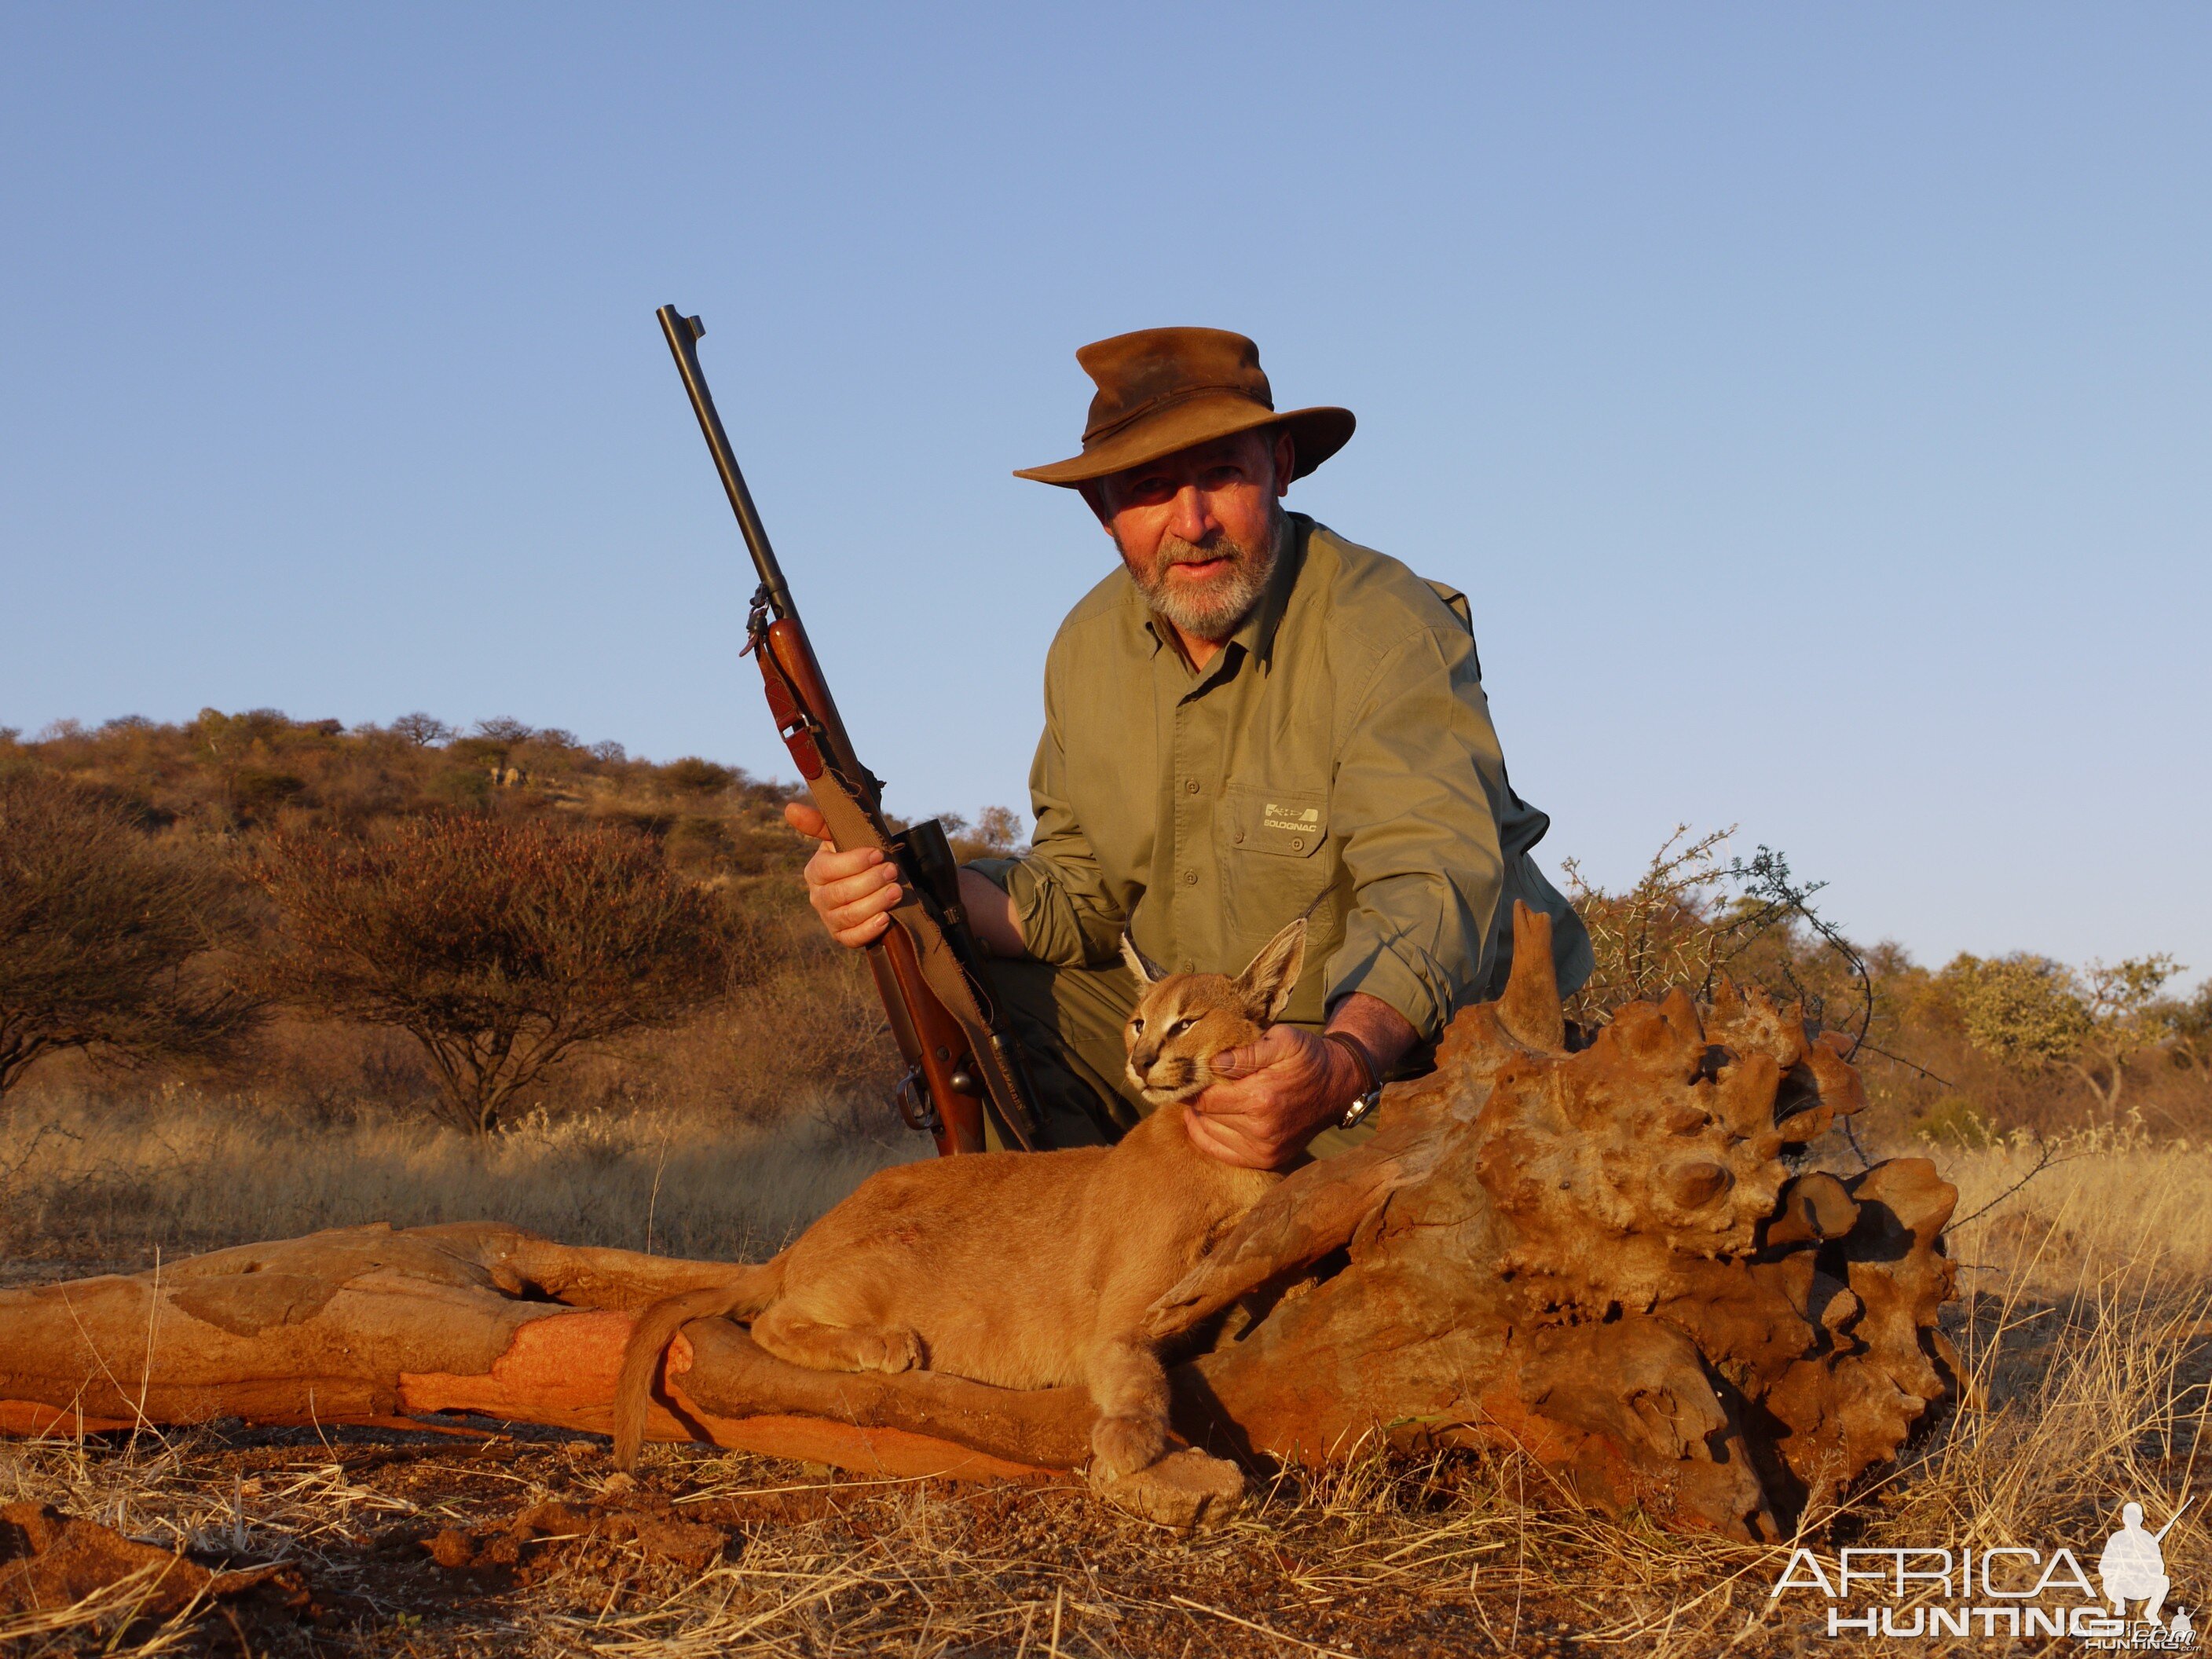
x=1192, y=519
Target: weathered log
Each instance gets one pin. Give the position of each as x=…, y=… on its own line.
x=1601, y=1258
x=1606, y=1259
x=372, y=1325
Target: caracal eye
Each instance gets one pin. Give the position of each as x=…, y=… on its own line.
x=1137, y=1025
x=1180, y=1027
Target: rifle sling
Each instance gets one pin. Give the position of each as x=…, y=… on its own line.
x=852, y=825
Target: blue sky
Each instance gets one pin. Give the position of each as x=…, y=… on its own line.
x=1816, y=400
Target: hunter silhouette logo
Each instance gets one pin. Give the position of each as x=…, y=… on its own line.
x=2006, y=1590
x=2133, y=1568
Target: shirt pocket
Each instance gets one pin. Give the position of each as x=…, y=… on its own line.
x=1273, y=867
x=1273, y=823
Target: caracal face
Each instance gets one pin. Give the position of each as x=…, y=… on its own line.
x=1183, y=1022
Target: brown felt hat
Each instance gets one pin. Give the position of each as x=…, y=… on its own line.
x=1165, y=389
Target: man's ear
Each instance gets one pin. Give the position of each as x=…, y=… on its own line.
x=1286, y=457
x=1272, y=974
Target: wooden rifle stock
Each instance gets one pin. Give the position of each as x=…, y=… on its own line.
x=960, y=1057
x=929, y=1039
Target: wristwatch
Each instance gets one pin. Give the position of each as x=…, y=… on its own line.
x=1359, y=1108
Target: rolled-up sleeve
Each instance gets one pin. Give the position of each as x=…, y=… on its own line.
x=1062, y=899
x=1418, y=784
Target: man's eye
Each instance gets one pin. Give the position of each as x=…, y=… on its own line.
x=1221, y=477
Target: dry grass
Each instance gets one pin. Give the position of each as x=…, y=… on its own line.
x=2085, y=1327
x=86, y=1182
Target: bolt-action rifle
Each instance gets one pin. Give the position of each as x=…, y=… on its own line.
x=961, y=1057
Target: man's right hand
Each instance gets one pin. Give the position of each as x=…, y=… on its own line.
x=854, y=893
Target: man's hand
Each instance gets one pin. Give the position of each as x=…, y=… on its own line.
x=854, y=893
x=1287, y=1088
x=1281, y=1091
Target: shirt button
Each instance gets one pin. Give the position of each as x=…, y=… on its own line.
x=1238, y=838
x=1190, y=786
x=1297, y=844
x=1190, y=878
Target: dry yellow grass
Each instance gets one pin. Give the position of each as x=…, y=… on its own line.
x=2085, y=1327
x=96, y=1183
x=2108, y=1200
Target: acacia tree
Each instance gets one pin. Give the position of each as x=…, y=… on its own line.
x=105, y=937
x=2034, y=1014
x=1657, y=934
x=422, y=730
x=2124, y=1019
x=1693, y=921
x=501, y=947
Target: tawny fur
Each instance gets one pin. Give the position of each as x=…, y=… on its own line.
x=1026, y=1270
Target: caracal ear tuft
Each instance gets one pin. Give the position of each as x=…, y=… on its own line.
x=1147, y=971
x=1272, y=974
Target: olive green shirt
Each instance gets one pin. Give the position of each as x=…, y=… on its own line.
x=1335, y=756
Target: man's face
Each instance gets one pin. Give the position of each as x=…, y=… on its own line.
x=1198, y=529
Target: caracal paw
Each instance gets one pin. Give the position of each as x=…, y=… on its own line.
x=896, y=1351
x=1123, y=1445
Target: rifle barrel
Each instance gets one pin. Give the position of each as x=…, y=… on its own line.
x=2159, y=1537
x=683, y=334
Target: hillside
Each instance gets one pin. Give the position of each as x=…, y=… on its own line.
x=223, y=777
x=1974, y=1051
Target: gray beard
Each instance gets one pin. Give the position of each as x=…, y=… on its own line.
x=1219, y=608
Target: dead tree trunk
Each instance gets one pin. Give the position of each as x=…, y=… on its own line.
x=1601, y=1259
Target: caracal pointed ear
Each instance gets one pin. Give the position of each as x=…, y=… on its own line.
x=1147, y=971
x=1272, y=974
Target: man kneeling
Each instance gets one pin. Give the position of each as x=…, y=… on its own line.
x=1253, y=719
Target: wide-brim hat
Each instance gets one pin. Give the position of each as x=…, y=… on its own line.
x=1165, y=389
